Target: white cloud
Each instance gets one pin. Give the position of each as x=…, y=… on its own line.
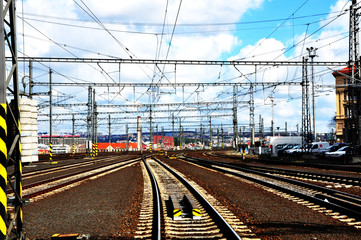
x=211, y=46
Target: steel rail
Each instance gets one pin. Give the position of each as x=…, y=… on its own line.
x=57, y=178
x=227, y=230
x=156, y=228
x=40, y=192
x=317, y=176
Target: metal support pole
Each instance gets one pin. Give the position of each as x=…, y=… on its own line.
x=31, y=84
x=235, y=121
x=251, y=115
x=10, y=126
x=127, y=138
x=95, y=128
x=156, y=138
x=109, y=133
x=3, y=130
x=195, y=137
x=218, y=138
x=162, y=139
x=222, y=136
x=151, y=139
x=51, y=117
x=201, y=136
x=272, y=121
x=89, y=121
x=312, y=54
x=180, y=134
x=73, y=131
x=210, y=133
x=173, y=130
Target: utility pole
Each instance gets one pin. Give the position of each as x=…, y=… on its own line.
x=210, y=133
x=51, y=117
x=312, y=54
x=272, y=121
x=156, y=138
x=109, y=133
x=73, y=128
x=95, y=127
x=89, y=121
x=222, y=135
x=201, y=136
x=306, y=128
x=162, y=139
x=352, y=123
x=127, y=137
x=235, y=122
x=261, y=129
x=251, y=115
x=31, y=84
x=180, y=134
x=195, y=137
x=139, y=135
x=218, y=138
x=151, y=139
x=173, y=130
x=11, y=225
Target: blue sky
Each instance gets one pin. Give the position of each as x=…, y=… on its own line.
x=212, y=30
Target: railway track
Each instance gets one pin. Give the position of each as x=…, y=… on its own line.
x=177, y=208
x=343, y=206
x=47, y=186
x=303, y=175
x=56, y=169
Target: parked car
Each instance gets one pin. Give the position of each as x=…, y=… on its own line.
x=341, y=152
x=331, y=148
x=286, y=147
x=293, y=150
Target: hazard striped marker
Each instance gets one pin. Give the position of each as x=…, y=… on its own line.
x=3, y=170
x=176, y=208
x=19, y=187
x=51, y=151
x=196, y=212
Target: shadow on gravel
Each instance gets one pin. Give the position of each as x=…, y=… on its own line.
x=279, y=228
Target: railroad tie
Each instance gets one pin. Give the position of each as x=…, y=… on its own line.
x=196, y=212
x=72, y=236
x=176, y=208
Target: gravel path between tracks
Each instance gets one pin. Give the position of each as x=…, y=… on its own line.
x=269, y=216
x=106, y=208
x=335, y=186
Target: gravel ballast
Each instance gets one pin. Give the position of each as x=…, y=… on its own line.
x=107, y=207
x=268, y=215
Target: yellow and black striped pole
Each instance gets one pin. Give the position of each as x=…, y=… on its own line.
x=19, y=188
x=73, y=149
x=51, y=151
x=95, y=149
x=3, y=169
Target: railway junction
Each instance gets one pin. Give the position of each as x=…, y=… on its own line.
x=163, y=155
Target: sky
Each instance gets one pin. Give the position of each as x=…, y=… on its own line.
x=267, y=30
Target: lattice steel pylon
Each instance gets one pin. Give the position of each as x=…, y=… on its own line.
x=10, y=152
x=353, y=121
x=306, y=124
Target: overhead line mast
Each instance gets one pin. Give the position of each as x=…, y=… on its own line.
x=10, y=147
